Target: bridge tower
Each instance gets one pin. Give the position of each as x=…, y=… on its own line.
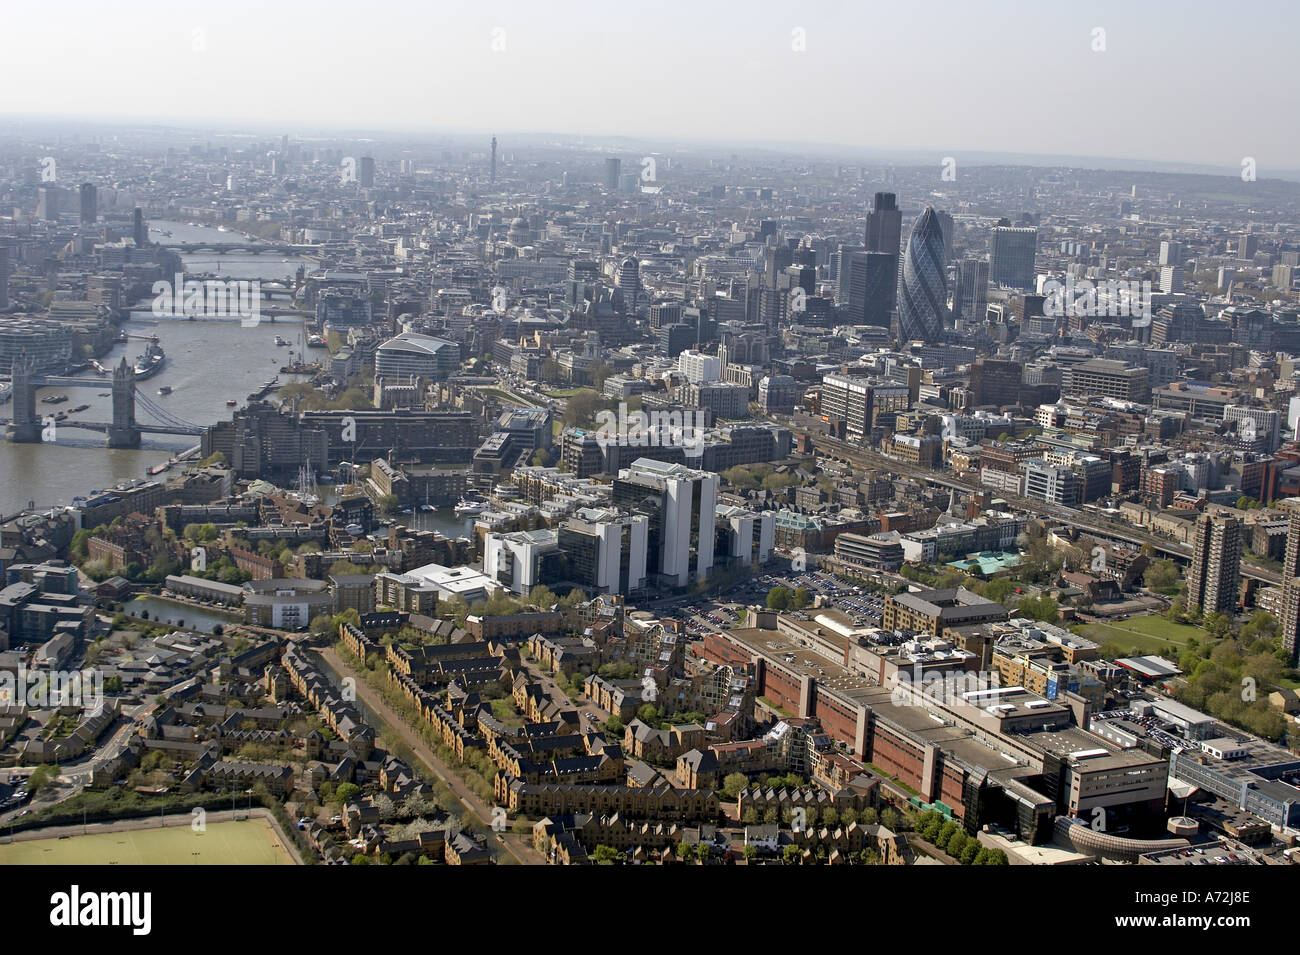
x=123, y=433
x=25, y=426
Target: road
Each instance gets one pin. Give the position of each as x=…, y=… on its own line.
x=560, y=698
x=518, y=846
x=78, y=773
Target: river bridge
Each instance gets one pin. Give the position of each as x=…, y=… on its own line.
x=254, y=248
x=124, y=431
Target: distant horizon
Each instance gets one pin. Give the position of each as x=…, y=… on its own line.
x=827, y=152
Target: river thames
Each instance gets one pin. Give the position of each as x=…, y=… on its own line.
x=208, y=363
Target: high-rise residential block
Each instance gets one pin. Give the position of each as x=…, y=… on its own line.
x=1213, y=576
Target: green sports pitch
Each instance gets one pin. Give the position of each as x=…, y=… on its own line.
x=251, y=842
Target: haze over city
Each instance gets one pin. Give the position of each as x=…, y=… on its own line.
x=1182, y=84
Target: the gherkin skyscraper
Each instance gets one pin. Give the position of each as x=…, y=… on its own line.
x=923, y=294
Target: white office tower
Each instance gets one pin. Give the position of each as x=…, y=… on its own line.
x=514, y=560
x=680, y=505
x=699, y=368
x=1171, y=253
x=1171, y=279
x=604, y=550
x=750, y=534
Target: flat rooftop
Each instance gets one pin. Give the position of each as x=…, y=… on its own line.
x=1087, y=750
x=917, y=721
x=1151, y=667
x=951, y=605
x=1212, y=853
x=455, y=580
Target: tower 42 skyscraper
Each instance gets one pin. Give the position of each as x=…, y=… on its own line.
x=923, y=294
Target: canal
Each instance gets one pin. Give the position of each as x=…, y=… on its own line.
x=182, y=615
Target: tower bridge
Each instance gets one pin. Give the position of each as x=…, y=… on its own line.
x=124, y=431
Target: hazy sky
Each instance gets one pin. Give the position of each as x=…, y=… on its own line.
x=1194, y=81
